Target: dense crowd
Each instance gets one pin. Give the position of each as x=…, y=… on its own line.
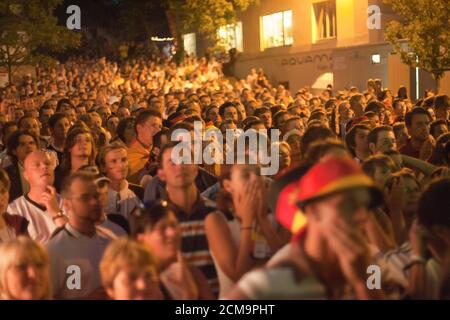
x=95, y=205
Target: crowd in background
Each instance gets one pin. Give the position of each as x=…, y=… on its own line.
x=93, y=204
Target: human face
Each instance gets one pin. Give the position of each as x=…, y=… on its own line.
x=104, y=113
x=240, y=175
x=374, y=121
x=97, y=119
x=45, y=115
x=231, y=113
x=412, y=195
x=148, y=129
x=285, y=157
x=112, y=125
x=385, y=142
x=443, y=113
x=31, y=125
x=72, y=114
x=81, y=110
x=439, y=130
x=61, y=128
x=282, y=120
x=116, y=164
x=26, y=280
x=400, y=109
x=84, y=204
x=205, y=101
x=134, y=284
x=420, y=127
x=361, y=143
x=381, y=175
x=294, y=143
x=26, y=146
x=39, y=170
x=349, y=206
x=295, y=124
x=213, y=115
x=163, y=238
x=266, y=117
x=123, y=113
x=82, y=146
x=177, y=175
x=241, y=112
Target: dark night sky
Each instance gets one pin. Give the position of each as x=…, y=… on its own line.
x=106, y=14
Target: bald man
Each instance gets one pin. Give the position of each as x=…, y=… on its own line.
x=41, y=206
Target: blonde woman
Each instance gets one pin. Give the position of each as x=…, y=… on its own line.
x=24, y=270
x=129, y=272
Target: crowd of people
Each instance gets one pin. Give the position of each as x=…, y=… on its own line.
x=95, y=205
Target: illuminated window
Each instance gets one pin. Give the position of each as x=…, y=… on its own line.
x=230, y=36
x=376, y=59
x=190, y=43
x=276, y=30
x=324, y=20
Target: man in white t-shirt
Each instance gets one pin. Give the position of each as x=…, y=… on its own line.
x=76, y=248
x=113, y=162
x=41, y=206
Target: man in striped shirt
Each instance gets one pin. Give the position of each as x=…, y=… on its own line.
x=191, y=210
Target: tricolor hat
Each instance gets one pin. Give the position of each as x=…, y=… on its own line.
x=334, y=175
x=321, y=180
x=282, y=199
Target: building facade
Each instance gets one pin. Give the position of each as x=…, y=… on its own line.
x=319, y=42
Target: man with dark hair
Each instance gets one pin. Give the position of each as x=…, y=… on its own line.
x=374, y=119
x=191, y=210
x=442, y=107
x=45, y=112
x=357, y=142
x=148, y=123
x=265, y=115
x=59, y=125
x=382, y=139
x=31, y=124
x=357, y=104
x=419, y=145
x=438, y=127
x=228, y=110
x=80, y=241
x=293, y=123
x=20, y=144
x=315, y=133
x=399, y=108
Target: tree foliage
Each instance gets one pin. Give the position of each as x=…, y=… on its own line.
x=206, y=16
x=29, y=33
x=425, y=27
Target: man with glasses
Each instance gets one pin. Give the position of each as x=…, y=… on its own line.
x=41, y=206
x=76, y=248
